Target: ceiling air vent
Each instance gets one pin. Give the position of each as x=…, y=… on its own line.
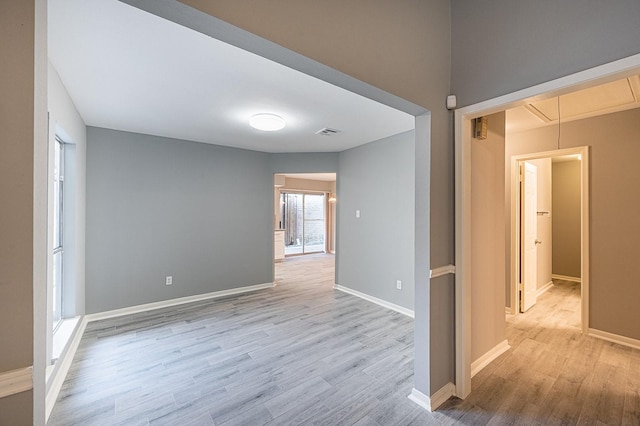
x=327, y=131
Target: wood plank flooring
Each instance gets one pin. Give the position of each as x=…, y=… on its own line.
x=301, y=353
x=553, y=374
x=305, y=354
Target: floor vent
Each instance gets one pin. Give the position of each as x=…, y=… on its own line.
x=327, y=131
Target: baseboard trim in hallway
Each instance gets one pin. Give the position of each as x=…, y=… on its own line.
x=373, y=299
x=489, y=356
x=438, y=398
x=615, y=338
x=542, y=290
x=566, y=278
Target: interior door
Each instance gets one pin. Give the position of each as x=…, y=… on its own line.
x=529, y=234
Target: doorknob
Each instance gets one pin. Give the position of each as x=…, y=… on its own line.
x=538, y=242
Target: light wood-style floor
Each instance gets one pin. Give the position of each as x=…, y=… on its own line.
x=553, y=374
x=301, y=353
x=305, y=354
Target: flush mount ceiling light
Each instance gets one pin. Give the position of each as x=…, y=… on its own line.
x=267, y=122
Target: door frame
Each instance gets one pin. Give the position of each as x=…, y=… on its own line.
x=463, y=136
x=515, y=162
x=304, y=193
x=523, y=227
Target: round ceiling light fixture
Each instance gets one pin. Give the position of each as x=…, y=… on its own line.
x=267, y=122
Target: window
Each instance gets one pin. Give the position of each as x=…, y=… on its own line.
x=58, y=230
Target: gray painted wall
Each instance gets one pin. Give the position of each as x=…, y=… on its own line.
x=157, y=206
x=566, y=219
x=500, y=46
x=377, y=249
x=314, y=162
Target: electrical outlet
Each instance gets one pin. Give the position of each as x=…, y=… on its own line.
x=169, y=280
x=357, y=214
x=399, y=285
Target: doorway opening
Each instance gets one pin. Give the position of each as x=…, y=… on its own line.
x=548, y=223
x=464, y=118
x=304, y=214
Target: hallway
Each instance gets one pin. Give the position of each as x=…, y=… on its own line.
x=553, y=374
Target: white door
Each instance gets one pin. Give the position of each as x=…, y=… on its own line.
x=529, y=234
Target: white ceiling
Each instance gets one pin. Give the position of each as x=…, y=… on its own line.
x=606, y=98
x=129, y=70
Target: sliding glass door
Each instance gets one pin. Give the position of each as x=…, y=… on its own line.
x=304, y=222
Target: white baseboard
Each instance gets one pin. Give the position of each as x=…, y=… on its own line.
x=372, y=299
x=173, y=302
x=421, y=399
x=438, y=398
x=16, y=381
x=615, y=338
x=442, y=395
x=63, y=367
x=486, y=359
x=544, y=289
x=566, y=278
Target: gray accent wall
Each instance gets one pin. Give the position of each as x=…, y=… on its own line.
x=160, y=207
x=312, y=162
x=377, y=249
x=501, y=46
